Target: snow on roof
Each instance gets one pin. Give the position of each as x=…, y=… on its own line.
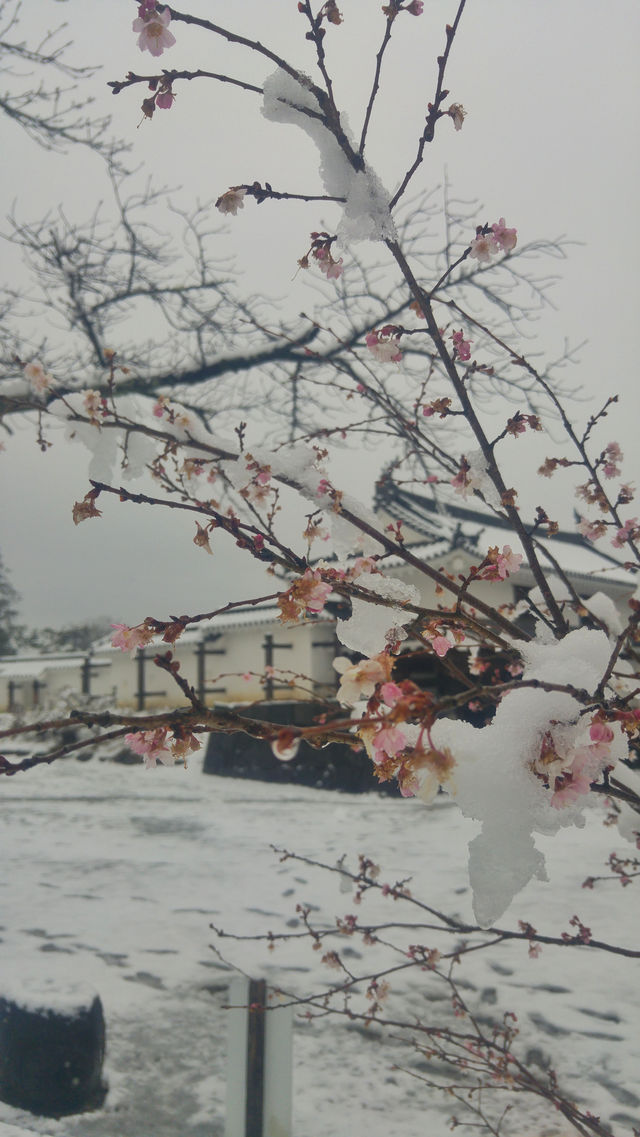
x=33, y=667
x=447, y=527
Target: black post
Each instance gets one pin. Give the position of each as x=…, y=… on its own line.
x=202, y=651
x=140, y=669
x=87, y=670
x=86, y=674
x=255, y=1058
x=142, y=692
x=269, y=648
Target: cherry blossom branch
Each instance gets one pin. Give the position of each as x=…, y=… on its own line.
x=316, y=35
x=473, y=1050
x=170, y=625
x=243, y=41
x=192, y=720
x=621, y=640
x=267, y=193
x=493, y=470
x=441, y=579
x=434, y=112
x=376, y=81
x=234, y=526
x=167, y=663
x=170, y=76
x=244, y=533
x=578, y=443
x=10, y=768
x=364, y=881
x=51, y=114
x=191, y=378
x=611, y=787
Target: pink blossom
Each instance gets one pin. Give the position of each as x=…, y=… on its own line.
x=359, y=680
x=316, y=591
x=600, y=731
x=153, y=28
x=505, y=239
x=508, y=562
x=383, y=344
x=307, y=594
x=575, y=781
x=322, y=256
x=130, y=639
x=387, y=743
x=592, y=530
x=415, y=7
x=151, y=745
x=39, y=379
x=159, y=407
x=256, y=491
x=165, y=98
x=390, y=693
x=461, y=345
x=486, y=245
x=363, y=564
x=334, y=270
x=232, y=200
x=483, y=248
x=317, y=595
x=628, y=532
x=95, y=406
x=441, y=645
x=463, y=482
x=612, y=455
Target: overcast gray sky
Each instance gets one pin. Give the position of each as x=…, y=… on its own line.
x=551, y=90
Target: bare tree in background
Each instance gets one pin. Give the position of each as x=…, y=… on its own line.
x=219, y=350
x=96, y=281
x=41, y=90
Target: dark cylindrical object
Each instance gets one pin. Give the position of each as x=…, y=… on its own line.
x=51, y=1057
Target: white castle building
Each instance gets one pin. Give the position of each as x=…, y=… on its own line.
x=225, y=659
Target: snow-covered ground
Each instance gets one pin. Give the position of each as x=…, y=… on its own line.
x=112, y=876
